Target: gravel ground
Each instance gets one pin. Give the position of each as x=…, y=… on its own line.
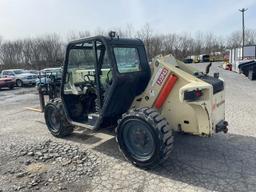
x=32, y=160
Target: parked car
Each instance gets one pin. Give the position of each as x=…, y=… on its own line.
x=36, y=72
x=21, y=76
x=204, y=58
x=7, y=82
x=46, y=75
x=195, y=58
x=188, y=60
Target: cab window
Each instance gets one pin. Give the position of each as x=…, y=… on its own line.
x=127, y=59
x=82, y=56
x=80, y=68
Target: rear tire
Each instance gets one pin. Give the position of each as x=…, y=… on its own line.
x=144, y=137
x=19, y=83
x=56, y=120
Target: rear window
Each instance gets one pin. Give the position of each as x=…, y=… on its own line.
x=127, y=59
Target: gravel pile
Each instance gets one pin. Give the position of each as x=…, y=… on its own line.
x=51, y=163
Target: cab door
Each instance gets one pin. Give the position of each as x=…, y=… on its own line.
x=79, y=85
x=130, y=79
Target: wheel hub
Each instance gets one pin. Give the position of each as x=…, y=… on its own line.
x=54, y=120
x=139, y=140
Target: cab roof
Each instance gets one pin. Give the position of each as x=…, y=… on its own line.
x=109, y=40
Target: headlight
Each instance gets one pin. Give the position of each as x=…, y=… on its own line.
x=192, y=95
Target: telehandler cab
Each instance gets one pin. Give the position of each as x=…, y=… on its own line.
x=108, y=82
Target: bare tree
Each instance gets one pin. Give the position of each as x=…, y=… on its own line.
x=48, y=50
x=250, y=37
x=78, y=35
x=169, y=43
x=234, y=40
x=1, y=62
x=100, y=31
x=11, y=53
x=146, y=34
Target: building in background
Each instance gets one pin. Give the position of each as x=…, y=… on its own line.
x=236, y=55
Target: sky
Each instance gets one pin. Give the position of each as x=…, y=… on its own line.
x=32, y=18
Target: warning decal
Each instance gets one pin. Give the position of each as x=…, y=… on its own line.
x=162, y=76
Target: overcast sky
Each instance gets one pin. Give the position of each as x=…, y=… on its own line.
x=30, y=18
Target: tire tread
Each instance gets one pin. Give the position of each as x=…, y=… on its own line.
x=66, y=128
x=161, y=127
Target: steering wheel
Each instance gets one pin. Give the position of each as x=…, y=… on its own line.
x=88, y=80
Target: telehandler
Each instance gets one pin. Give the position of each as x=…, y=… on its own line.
x=108, y=82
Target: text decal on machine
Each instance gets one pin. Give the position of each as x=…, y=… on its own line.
x=162, y=76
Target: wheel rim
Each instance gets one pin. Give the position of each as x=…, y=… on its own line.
x=19, y=83
x=139, y=139
x=53, y=119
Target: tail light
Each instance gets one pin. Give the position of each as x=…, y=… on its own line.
x=192, y=95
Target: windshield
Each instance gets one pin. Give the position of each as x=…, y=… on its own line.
x=82, y=56
x=19, y=71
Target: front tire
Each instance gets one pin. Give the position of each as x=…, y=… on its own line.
x=144, y=137
x=56, y=120
x=19, y=83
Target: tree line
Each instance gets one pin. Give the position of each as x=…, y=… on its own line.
x=48, y=51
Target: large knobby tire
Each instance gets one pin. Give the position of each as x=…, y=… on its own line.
x=56, y=120
x=144, y=137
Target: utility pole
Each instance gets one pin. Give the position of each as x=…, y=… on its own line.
x=242, y=11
